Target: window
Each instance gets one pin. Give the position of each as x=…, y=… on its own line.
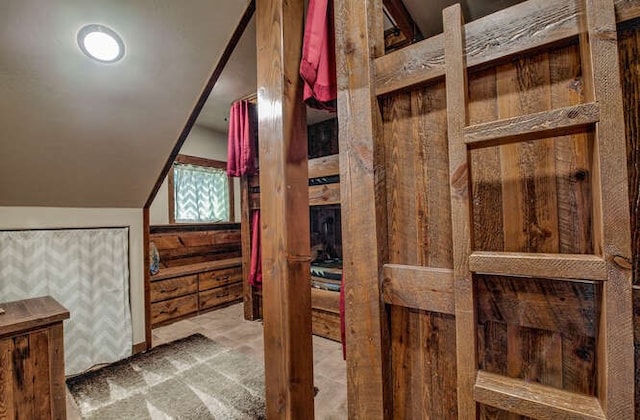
x=199, y=191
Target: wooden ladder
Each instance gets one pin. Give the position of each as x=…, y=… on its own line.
x=610, y=264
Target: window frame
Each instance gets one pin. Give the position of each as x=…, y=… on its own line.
x=204, y=162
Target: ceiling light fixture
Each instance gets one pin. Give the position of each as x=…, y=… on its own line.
x=100, y=43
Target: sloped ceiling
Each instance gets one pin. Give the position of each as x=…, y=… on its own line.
x=78, y=133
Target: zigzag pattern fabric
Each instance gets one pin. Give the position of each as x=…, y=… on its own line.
x=201, y=194
x=87, y=271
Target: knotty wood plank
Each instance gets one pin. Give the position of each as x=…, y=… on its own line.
x=57, y=378
x=572, y=155
x=326, y=324
x=534, y=355
x=438, y=342
x=579, y=364
x=531, y=399
x=23, y=392
x=284, y=211
x=552, y=305
x=424, y=288
x=531, y=126
x=520, y=28
x=611, y=215
x=629, y=48
x=7, y=378
x=400, y=172
x=324, y=166
x=564, y=266
x=528, y=169
x=485, y=166
x=359, y=40
x=320, y=195
x=429, y=115
x=39, y=354
x=173, y=287
x=456, y=84
x=326, y=300
x=402, y=362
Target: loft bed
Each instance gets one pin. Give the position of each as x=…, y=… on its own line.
x=325, y=231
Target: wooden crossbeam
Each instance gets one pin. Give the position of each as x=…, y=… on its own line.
x=557, y=266
x=515, y=30
x=424, y=288
x=534, y=400
x=538, y=125
x=324, y=166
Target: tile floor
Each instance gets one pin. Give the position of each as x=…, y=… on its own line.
x=227, y=326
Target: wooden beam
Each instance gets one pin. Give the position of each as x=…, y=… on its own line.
x=324, y=166
x=324, y=194
x=461, y=214
x=538, y=125
x=557, y=266
x=204, y=96
x=424, y=288
x=403, y=19
x=359, y=40
x=534, y=400
x=612, y=233
x=517, y=29
x=284, y=211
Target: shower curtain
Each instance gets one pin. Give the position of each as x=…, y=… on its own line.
x=87, y=271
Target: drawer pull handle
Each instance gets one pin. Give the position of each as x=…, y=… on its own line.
x=172, y=311
x=168, y=290
x=223, y=294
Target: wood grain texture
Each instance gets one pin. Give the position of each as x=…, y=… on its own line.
x=7, y=409
x=211, y=279
x=146, y=245
x=611, y=219
x=534, y=400
x=326, y=324
x=28, y=314
x=531, y=126
x=172, y=309
x=520, y=28
x=220, y=296
x=572, y=155
x=485, y=166
x=570, y=308
x=284, y=211
x=459, y=181
x=629, y=48
x=321, y=195
x=423, y=288
x=359, y=40
x=324, y=166
x=173, y=287
x=564, y=266
x=185, y=270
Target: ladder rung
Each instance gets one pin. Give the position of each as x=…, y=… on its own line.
x=528, y=127
x=534, y=400
x=522, y=264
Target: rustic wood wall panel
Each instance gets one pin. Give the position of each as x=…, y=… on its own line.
x=629, y=49
x=528, y=197
x=422, y=343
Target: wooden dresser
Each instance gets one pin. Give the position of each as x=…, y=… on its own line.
x=180, y=291
x=32, y=359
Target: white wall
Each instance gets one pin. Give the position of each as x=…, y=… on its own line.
x=61, y=217
x=204, y=143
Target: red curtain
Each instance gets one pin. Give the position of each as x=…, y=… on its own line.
x=241, y=151
x=255, y=269
x=318, y=64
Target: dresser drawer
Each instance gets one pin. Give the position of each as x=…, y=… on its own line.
x=218, y=278
x=173, y=308
x=221, y=295
x=170, y=288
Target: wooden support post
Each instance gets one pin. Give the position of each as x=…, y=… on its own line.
x=359, y=40
x=284, y=211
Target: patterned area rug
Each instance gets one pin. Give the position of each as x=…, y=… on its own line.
x=192, y=378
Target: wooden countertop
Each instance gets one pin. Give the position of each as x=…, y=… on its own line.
x=28, y=314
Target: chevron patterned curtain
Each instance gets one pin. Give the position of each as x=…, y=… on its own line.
x=87, y=271
x=201, y=193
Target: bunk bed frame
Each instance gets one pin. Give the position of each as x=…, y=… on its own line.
x=428, y=322
x=325, y=304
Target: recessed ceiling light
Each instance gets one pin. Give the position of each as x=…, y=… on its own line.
x=100, y=43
